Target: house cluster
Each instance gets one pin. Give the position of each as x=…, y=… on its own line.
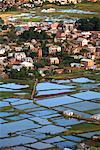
x=64, y=2
x=4, y=4
x=64, y=39
x=7, y=4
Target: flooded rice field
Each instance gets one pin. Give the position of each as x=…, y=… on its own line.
x=13, y=86
x=77, y=11
x=40, y=15
x=40, y=123
x=48, y=15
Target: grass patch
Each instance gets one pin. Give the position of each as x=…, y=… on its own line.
x=94, y=7
x=13, y=93
x=4, y=15
x=74, y=15
x=94, y=111
x=95, y=77
x=6, y=95
x=32, y=19
x=4, y=109
x=88, y=6
x=84, y=127
x=95, y=148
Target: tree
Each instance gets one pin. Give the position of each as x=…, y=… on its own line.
x=22, y=74
x=87, y=24
x=4, y=27
x=41, y=63
x=45, y=49
x=96, y=22
x=1, y=40
x=1, y=21
x=44, y=61
x=53, y=36
x=33, y=54
x=43, y=35
x=36, y=74
x=28, y=35
x=12, y=35
x=66, y=59
x=37, y=65
x=11, y=8
x=31, y=33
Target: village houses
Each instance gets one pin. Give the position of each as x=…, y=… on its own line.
x=83, y=46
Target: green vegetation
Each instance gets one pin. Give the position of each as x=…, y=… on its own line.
x=20, y=78
x=33, y=19
x=75, y=15
x=13, y=8
x=13, y=94
x=67, y=59
x=94, y=148
x=28, y=35
x=45, y=50
x=1, y=21
x=84, y=127
x=41, y=63
x=1, y=39
x=95, y=111
x=12, y=35
x=68, y=15
x=88, y=24
x=89, y=6
x=93, y=75
x=5, y=108
x=6, y=94
x=22, y=74
x=33, y=54
x=86, y=6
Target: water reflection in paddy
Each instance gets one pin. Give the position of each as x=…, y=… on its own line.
x=30, y=122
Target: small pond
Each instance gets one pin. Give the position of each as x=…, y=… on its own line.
x=57, y=101
x=82, y=80
x=88, y=95
x=76, y=11
x=13, y=86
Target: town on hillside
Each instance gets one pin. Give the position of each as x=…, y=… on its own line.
x=46, y=48
x=49, y=75
x=6, y=5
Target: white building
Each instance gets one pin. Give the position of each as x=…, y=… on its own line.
x=2, y=59
x=20, y=56
x=17, y=67
x=68, y=113
x=2, y=51
x=82, y=41
x=28, y=59
x=27, y=65
x=76, y=65
x=54, y=60
x=96, y=117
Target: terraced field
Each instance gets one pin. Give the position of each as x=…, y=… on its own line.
x=39, y=123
